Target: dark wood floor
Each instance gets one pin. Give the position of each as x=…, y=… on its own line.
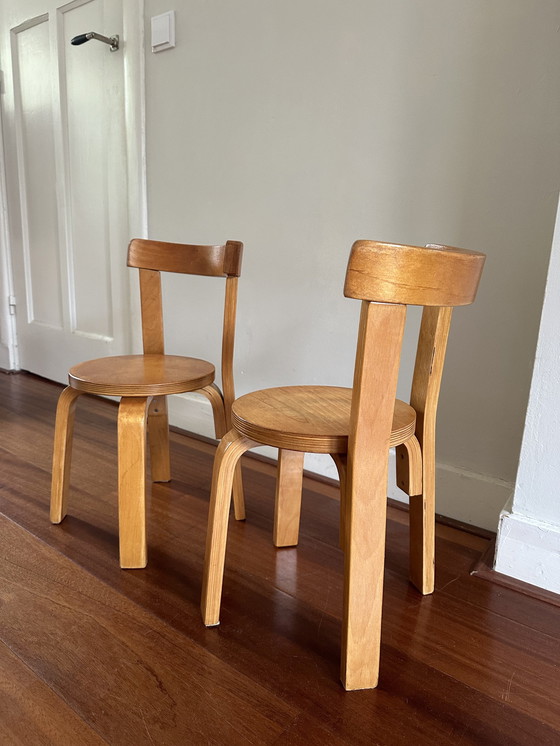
x=91, y=654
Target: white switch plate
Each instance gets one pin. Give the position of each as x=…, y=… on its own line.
x=163, y=31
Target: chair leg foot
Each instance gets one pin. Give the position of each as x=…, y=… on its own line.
x=62, y=453
x=230, y=450
x=132, y=482
x=287, y=505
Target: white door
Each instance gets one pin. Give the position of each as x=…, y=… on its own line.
x=66, y=169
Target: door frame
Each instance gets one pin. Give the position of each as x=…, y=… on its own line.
x=9, y=359
x=137, y=202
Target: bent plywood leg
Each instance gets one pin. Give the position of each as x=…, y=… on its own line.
x=158, y=437
x=214, y=394
x=422, y=517
x=132, y=481
x=375, y=383
x=409, y=466
x=341, y=459
x=238, y=496
x=287, y=506
x=62, y=453
x=366, y=511
x=229, y=451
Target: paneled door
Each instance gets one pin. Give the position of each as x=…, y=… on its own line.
x=66, y=167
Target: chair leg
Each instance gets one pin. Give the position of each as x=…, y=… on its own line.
x=238, y=496
x=418, y=481
x=132, y=481
x=364, y=556
x=409, y=466
x=62, y=453
x=231, y=448
x=422, y=518
x=158, y=438
x=341, y=460
x=214, y=394
x=422, y=542
x=287, y=506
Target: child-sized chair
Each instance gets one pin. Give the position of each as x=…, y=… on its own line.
x=357, y=426
x=144, y=381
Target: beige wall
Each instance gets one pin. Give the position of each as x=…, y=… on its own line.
x=298, y=126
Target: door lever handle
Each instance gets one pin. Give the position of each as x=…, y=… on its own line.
x=113, y=41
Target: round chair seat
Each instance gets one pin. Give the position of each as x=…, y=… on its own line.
x=141, y=375
x=308, y=418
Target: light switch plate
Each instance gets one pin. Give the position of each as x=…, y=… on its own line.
x=163, y=31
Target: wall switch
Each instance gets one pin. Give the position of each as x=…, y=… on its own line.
x=163, y=31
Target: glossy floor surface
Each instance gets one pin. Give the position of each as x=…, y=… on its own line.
x=91, y=654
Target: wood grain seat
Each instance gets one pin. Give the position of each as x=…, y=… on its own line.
x=308, y=418
x=141, y=375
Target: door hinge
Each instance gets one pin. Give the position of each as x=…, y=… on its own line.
x=12, y=304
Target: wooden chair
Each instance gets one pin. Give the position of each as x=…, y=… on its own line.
x=420, y=485
x=144, y=381
x=357, y=426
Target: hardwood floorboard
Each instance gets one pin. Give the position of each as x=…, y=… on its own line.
x=31, y=713
x=128, y=680
x=473, y=664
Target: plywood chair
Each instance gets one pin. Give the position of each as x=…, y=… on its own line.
x=144, y=381
x=418, y=484
x=356, y=426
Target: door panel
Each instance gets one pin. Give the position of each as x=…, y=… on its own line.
x=65, y=109
x=86, y=131
x=35, y=144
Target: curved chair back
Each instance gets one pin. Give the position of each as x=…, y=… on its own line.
x=153, y=257
x=190, y=259
x=414, y=275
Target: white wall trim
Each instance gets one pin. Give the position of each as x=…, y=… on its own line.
x=468, y=496
x=528, y=542
x=461, y=494
x=529, y=550
x=135, y=122
x=135, y=115
x=8, y=341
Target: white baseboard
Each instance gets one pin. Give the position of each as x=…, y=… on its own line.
x=469, y=497
x=463, y=495
x=5, y=357
x=528, y=550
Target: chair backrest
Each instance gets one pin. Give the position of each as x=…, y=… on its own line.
x=431, y=275
x=153, y=257
x=387, y=277
x=436, y=277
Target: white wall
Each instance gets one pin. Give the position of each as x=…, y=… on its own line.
x=528, y=546
x=298, y=126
